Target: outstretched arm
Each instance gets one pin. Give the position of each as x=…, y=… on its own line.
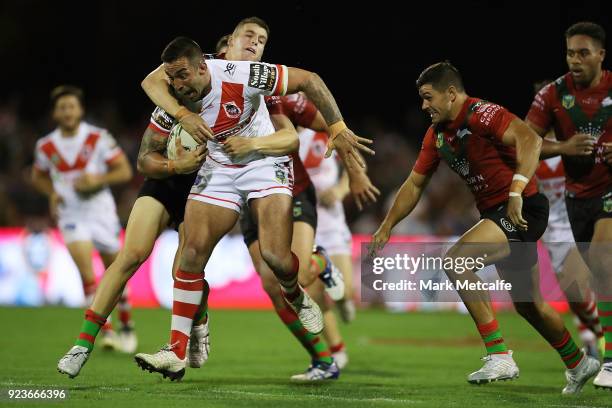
x=341, y=137
x=578, y=145
x=406, y=199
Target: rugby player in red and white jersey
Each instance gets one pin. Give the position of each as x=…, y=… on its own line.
x=332, y=230
x=161, y=203
x=572, y=272
x=578, y=106
x=324, y=363
x=74, y=166
x=232, y=104
x=304, y=217
x=496, y=154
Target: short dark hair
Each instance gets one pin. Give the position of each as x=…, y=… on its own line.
x=253, y=20
x=441, y=75
x=593, y=30
x=222, y=42
x=182, y=47
x=63, y=90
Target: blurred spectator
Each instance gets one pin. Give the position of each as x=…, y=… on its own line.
x=447, y=207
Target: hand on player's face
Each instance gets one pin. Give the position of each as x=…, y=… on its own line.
x=514, y=213
x=238, y=146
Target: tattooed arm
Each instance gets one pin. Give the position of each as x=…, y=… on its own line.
x=152, y=163
x=341, y=137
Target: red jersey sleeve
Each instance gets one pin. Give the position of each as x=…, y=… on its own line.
x=275, y=105
x=491, y=119
x=540, y=112
x=299, y=109
x=428, y=160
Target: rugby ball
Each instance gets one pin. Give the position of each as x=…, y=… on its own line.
x=188, y=142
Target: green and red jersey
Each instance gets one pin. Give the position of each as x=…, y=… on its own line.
x=472, y=147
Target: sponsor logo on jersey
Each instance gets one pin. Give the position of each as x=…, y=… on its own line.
x=230, y=69
x=568, y=101
x=508, y=226
x=262, y=76
x=232, y=110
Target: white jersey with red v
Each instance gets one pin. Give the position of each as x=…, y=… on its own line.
x=235, y=104
x=66, y=159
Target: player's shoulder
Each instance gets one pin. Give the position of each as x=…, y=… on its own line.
x=228, y=71
x=480, y=107
x=430, y=134
x=45, y=139
x=94, y=129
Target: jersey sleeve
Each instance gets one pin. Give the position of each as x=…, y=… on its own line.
x=540, y=112
x=491, y=120
x=265, y=79
x=428, y=159
x=275, y=105
x=41, y=161
x=161, y=122
x=300, y=110
x=110, y=148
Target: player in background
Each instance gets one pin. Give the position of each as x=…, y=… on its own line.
x=496, y=154
x=74, y=167
x=224, y=185
x=572, y=272
x=578, y=106
x=332, y=187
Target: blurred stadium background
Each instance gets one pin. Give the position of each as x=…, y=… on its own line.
x=369, y=57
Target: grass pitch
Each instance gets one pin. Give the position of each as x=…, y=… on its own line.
x=396, y=360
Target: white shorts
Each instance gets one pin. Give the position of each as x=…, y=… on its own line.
x=103, y=232
x=233, y=186
x=332, y=232
x=558, y=242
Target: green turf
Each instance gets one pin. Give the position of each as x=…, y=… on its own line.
x=397, y=360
